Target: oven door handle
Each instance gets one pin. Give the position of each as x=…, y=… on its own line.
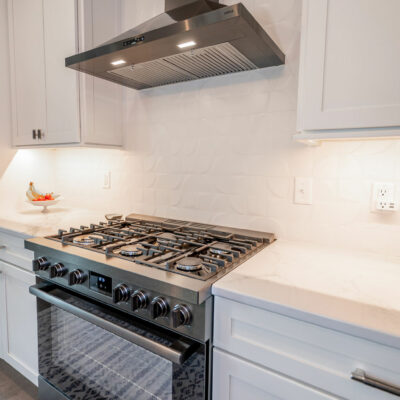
x=178, y=352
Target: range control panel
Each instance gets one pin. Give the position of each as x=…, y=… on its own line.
x=120, y=292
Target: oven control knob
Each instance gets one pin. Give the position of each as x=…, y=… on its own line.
x=58, y=270
x=77, y=277
x=121, y=293
x=40, y=264
x=139, y=300
x=181, y=315
x=159, y=307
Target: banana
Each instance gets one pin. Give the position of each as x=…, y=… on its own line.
x=32, y=194
x=29, y=195
x=35, y=193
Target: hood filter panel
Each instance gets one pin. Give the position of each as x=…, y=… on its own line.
x=194, y=64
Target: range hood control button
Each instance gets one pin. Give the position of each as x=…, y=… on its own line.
x=139, y=300
x=58, y=270
x=40, y=264
x=77, y=277
x=181, y=315
x=121, y=293
x=159, y=308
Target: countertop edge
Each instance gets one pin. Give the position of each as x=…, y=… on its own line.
x=352, y=329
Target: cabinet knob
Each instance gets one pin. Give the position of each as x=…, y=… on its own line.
x=34, y=135
x=40, y=134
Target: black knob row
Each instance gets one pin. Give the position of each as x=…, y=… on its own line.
x=159, y=307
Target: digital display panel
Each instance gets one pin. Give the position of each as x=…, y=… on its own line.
x=100, y=283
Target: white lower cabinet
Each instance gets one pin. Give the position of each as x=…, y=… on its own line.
x=237, y=379
x=276, y=356
x=18, y=323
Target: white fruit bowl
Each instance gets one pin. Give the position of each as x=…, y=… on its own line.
x=44, y=203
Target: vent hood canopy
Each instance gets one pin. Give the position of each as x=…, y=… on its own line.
x=193, y=39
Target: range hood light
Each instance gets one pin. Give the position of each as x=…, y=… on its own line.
x=186, y=44
x=118, y=62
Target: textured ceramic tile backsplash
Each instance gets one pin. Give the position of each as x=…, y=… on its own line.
x=220, y=150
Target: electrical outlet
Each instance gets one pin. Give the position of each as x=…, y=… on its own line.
x=107, y=180
x=303, y=191
x=384, y=197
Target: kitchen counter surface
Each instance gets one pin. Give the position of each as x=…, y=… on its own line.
x=30, y=221
x=322, y=285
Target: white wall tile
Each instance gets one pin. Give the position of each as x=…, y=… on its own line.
x=220, y=150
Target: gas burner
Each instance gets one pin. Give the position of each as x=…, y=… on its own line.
x=197, y=251
x=190, y=264
x=87, y=240
x=221, y=248
x=130, y=250
x=166, y=238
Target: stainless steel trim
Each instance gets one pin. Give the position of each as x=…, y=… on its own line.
x=177, y=353
x=361, y=376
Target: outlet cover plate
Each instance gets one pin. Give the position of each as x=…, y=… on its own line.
x=384, y=197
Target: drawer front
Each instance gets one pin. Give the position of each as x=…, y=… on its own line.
x=12, y=250
x=312, y=354
x=237, y=379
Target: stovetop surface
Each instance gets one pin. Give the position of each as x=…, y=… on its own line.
x=191, y=249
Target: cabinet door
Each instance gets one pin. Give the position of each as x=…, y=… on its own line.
x=62, y=90
x=18, y=323
x=101, y=101
x=27, y=69
x=350, y=63
x=236, y=379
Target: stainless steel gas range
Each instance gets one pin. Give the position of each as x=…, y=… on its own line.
x=125, y=308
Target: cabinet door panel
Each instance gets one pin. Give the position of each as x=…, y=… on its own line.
x=18, y=320
x=236, y=379
x=27, y=69
x=349, y=65
x=101, y=101
x=62, y=94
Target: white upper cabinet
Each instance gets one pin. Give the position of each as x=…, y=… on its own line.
x=101, y=101
x=349, y=83
x=28, y=81
x=54, y=105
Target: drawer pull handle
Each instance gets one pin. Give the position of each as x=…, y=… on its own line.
x=361, y=376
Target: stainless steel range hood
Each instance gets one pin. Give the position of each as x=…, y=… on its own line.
x=193, y=39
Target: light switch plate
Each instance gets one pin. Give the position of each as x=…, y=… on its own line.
x=107, y=180
x=303, y=190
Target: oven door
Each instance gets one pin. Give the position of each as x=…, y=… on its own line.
x=88, y=350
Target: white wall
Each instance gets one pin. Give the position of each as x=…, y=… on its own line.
x=220, y=150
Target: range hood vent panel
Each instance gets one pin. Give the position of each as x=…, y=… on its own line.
x=222, y=40
x=194, y=64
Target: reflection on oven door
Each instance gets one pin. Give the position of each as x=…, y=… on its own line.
x=84, y=361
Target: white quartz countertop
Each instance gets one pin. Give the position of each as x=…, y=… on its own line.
x=31, y=221
x=354, y=288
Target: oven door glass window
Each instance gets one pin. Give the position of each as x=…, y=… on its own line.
x=85, y=361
